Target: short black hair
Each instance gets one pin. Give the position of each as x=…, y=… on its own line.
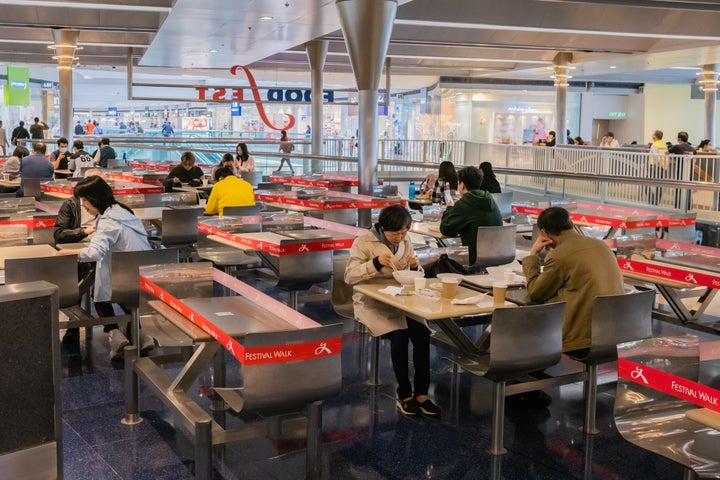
x=471, y=177
x=39, y=147
x=104, y=141
x=78, y=144
x=683, y=136
x=62, y=140
x=394, y=218
x=554, y=220
x=223, y=172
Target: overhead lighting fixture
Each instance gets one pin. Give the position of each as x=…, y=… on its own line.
x=464, y=59
x=266, y=17
x=612, y=67
x=212, y=50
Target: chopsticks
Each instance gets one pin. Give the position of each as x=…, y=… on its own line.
x=393, y=266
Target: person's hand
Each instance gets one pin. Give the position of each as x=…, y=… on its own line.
x=385, y=259
x=176, y=180
x=89, y=230
x=412, y=261
x=542, y=242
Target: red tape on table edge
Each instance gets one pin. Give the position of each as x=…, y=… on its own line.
x=670, y=273
x=679, y=387
x=247, y=356
x=684, y=247
x=31, y=223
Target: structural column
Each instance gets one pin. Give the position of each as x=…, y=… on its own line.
x=709, y=82
x=317, y=52
x=65, y=47
x=561, y=68
x=367, y=25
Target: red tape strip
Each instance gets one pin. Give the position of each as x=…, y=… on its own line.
x=670, y=273
x=679, y=387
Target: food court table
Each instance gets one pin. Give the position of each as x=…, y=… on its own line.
x=440, y=311
x=325, y=181
x=150, y=177
x=121, y=187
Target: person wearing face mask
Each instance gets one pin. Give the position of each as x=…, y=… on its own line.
x=60, y=157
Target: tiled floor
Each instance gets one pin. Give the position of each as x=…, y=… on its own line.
x=364, y=437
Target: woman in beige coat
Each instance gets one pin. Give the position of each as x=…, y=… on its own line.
x=371, y=259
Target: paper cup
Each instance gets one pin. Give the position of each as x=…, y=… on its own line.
x=205, y=181
x=499, y=291
x=420, y=283
x=449, y=287
x=509, y=277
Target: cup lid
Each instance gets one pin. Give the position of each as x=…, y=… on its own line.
x=499, y=285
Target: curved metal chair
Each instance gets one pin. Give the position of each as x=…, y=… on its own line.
x=246, y=211
x=523, y=340
x=495, y=246
x=504, y=203
x=615, y=319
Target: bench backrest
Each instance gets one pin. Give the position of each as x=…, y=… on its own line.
x=495, y=246
x=60, y=270
x=125, y=276
x=180, y=226
x=291, y=385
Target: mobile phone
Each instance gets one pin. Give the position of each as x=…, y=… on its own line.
x=448, y=198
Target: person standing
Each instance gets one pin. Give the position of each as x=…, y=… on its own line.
x=79, y=130
x=3, y=139
x=89, y=127
x=476, y=208
x=372, y=257
x=19, y=132
x=104, y=153
x=286, y=146
x=577, y=269
x=35, y=166
x=228, y=191
x=167, y=129
x=608, y=141
x=37, y=129
x=658, y=166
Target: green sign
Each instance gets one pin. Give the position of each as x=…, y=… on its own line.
x=17, y=90
x=617, y=115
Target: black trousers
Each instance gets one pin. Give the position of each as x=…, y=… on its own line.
x=419, y=335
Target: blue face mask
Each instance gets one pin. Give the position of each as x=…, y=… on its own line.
x=63, y=149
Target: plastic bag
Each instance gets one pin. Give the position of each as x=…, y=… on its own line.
x=444, y=264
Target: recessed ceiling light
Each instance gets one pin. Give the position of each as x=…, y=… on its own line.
x=612, y=67
x=266, y=17
x=212, y=50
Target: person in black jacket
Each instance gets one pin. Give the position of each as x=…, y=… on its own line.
x=489, y=182
x=186, y=172
x=19, y=132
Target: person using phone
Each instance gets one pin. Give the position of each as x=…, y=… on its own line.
x=447, y=182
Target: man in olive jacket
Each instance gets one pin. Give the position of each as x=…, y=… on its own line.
x=577, y=269
x=476, y=208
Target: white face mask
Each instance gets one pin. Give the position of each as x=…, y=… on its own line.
x=63, y=149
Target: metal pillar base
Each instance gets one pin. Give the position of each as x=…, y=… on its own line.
x=313, y=466
x=132, y=413
x=374, y=361
x=203, y=450
x=590, y=396
x=498, y=420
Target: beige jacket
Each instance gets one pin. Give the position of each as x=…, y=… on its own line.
x=378, y=317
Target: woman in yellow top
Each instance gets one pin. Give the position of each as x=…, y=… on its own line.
x=229, y=191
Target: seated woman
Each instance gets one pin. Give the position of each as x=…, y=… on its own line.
x=371, y=258
x=229, y=191
x=227, y=160
x=489, y=181
x=244, y=162
x=12, y=165
x=117, y=230
x=447, y=181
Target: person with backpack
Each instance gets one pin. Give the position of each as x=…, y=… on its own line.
x=167, y=129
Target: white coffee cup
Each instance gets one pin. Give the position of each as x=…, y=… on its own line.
x=499, y=291
x=509, y=276
x=420, y=283
x=204, y=180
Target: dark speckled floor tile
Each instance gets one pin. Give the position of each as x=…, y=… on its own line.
x=81, y=462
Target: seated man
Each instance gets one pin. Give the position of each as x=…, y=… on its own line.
x=229, y=191
x=476, y=208
x=186, y=172
x=577, y=269
x=35, y=166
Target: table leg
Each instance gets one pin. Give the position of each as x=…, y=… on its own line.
x=203, y=354
x=678, y=307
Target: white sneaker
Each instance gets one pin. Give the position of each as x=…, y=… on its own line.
x=147, y=343
x=118, y=341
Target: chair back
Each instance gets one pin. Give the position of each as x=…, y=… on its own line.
x=61, y=270
x=495, y=246
x=289, y=386
x=180, y=226
x=247, y=211
x=618, y=319
x=125, y=276
x=31, y=187
x=43, y=231
x=525, y=339
x=253, y=178
x=13, y=235
x=341, y=292
x=504, y=203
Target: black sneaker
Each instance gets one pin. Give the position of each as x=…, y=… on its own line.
x=429, y=408
x=72, y=335
x=408, y=407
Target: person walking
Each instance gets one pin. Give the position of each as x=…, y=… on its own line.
x=3, y=139
x=37, y=129
x=19, y=132
x=286, y=146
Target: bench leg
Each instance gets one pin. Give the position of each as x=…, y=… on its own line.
x=374, y=361
x=313, y=468
x=498, y=420
x=689, y=474
x=590, y=396
x=132, y=413
x=203, y=450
